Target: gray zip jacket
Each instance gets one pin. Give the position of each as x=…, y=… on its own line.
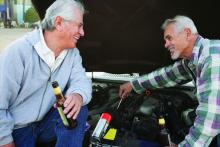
x=26, y=93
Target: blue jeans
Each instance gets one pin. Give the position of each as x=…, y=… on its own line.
x=52, y=128
x=218, y=140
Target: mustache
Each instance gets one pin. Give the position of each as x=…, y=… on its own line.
x=170, y=47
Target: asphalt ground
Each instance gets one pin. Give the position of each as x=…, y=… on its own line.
x=8, y=35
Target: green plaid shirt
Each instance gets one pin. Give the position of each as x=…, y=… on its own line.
x=204, y=66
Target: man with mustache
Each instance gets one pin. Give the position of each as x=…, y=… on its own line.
x=200, y=61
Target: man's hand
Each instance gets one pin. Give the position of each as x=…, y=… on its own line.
x=73, y=105
x=125, y=90
x=9, y=145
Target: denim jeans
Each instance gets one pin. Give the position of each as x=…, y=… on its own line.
x=218, y=140
x=52, y=128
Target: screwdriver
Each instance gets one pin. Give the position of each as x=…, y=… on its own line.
x=119, y=103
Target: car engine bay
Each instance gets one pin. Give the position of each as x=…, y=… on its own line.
x=137, y=117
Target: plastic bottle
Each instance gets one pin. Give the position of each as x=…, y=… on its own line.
x=69, y=123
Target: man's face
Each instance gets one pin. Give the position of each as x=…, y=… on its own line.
x=175, y=42
x=73, y=30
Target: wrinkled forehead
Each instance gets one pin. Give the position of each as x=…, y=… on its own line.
x=170, y=28
x=170, y=31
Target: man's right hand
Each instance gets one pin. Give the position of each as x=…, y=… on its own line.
x=125, y=90
x=9, y=145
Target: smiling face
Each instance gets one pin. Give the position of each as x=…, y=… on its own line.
x=176, y=42
x=71, y=31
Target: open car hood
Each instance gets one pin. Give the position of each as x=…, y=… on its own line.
x=125, y=36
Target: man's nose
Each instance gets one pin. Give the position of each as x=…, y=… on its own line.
x=81, y=31
x=166, y=45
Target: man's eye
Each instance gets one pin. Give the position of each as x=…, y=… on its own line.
x=169, y=38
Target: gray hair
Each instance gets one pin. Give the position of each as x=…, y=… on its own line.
x=62, y=8
x=181, y=22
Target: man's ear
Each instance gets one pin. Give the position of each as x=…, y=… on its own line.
x=188, y=32
x=58, y=23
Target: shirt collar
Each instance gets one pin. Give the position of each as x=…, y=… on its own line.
x=41, y=47
x=46, y=54
x=196, y=50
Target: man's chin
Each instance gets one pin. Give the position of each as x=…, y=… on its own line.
x=174, y=57
x=73, y=46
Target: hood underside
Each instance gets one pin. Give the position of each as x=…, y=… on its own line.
x=125, y=36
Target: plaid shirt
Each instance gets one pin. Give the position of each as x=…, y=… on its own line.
x=204, y=66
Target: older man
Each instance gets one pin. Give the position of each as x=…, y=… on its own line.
x=28, y=67
x=201, y=63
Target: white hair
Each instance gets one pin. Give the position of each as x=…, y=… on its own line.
x=62, y=8
x=181, y=22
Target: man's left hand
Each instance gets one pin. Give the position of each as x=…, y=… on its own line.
x=72, y=105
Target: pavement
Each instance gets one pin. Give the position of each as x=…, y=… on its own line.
x=8, y=35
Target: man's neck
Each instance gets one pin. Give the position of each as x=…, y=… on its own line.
x=189, y=49
x=53, y=42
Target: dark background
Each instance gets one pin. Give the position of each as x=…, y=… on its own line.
x=125, y=36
